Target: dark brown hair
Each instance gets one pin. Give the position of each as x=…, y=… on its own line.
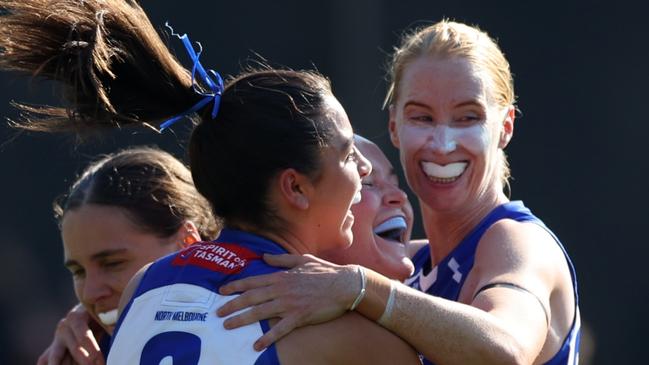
x=95, y=49
x=116, y=70
x=152, y=186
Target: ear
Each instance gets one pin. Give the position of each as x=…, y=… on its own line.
x=294, y=188
x=187, y=234
x=507, y=130
x=392, y=126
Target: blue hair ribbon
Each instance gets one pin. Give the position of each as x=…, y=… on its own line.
x=210, y=78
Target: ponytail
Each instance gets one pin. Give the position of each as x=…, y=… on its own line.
x=112, y=66
x=115, y=71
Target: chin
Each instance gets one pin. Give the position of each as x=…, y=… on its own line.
x=341, y=241
x=444, y=203
x=400, y=269
x=347, y=238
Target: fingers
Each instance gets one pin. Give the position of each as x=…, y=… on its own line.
x=83, y=346
x=78, y=308
x=42, y=360
x=67, y=360
x=74, y=340
x=249, y=283
x=87, y=350
x=56, y=356
x=247, y=299
x=57, y=351
x=279, y=330
x=255, y=314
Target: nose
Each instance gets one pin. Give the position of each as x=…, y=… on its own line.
x=442, y=139
x=363, y=165
x=394, y=196
x=93, y=288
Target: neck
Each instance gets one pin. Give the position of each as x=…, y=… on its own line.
x=446, y=229
x=290, y=242
x=285, y=238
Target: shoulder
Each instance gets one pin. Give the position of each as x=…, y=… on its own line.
x=519, y=245
x=527, y=255
x=350, y=339
x=520, y=253
x=132, y=285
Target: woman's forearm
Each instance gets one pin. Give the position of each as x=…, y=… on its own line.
x=444, y=331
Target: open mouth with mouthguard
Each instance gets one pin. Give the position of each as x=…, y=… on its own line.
x=393, y=229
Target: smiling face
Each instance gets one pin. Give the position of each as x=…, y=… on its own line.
x=382, y=220
x=450, y=133
x=338, y=185
x=103, y=249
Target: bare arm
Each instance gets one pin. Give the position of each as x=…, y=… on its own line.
x=498, y=326
x=350, y=339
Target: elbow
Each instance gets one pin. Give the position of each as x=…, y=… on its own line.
x=514, y=358
x=509, y=353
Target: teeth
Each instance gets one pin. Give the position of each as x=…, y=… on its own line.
x=449, y=171
x=108, y=318
x=357, y=198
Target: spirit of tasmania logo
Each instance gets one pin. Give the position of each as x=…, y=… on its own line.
x=227, y=258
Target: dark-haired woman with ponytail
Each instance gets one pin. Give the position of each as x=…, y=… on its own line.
x=272, y=152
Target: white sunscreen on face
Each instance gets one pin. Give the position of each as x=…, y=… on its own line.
x=446, y=139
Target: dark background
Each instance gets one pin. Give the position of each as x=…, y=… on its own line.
x=578, y=156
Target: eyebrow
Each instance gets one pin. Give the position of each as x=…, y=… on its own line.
x=470, y=103
x=416, y=103
x=458, y=105
x=96, y=257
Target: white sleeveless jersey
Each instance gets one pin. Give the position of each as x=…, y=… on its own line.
x=172, y=319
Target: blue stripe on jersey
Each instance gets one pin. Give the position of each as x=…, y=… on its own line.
x=447, y=278
x=269, y=357
x=164, y=273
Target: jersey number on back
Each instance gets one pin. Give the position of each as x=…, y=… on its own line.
x=183, y=348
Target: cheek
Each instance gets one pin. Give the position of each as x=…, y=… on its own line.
x=411, y=138
x=350, y=178
x=78, y=288
x=120, y=279
x=366, y=210
x=410, y=215
x=475, y=139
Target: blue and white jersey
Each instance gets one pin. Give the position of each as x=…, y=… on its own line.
x=447, y=278
x=171, y=318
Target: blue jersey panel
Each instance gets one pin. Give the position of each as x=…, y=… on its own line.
x=447, y=278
